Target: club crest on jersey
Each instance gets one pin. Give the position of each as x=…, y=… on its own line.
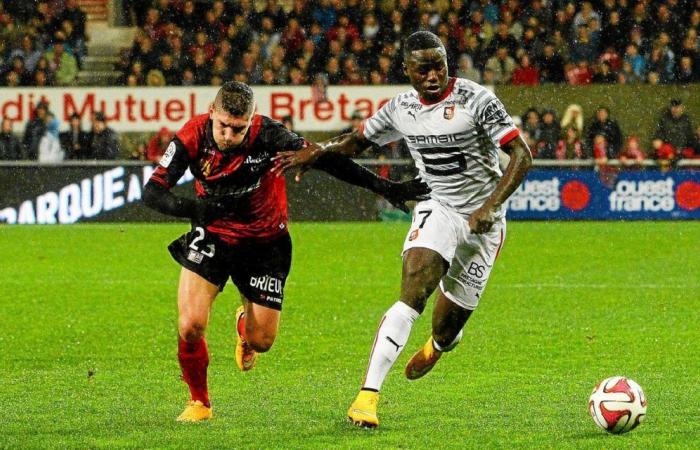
x=449, y=112
x=413, y=235
x=205, y=166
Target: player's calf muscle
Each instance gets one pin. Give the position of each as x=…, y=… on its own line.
x=261, y=341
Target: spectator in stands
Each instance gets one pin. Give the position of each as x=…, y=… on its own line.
x=135, y=76
x=10, y=146
x=204, y=44
x=75, y=142
x=155, y=78
x=466, y=69
x=614, y=32
x=573, y=115
x=525, y=74
x=686, y=72
x=63, y=65
x=600, y=150
x=11, y=79
x=551, y=66
x=632, y=153
x=34, y=131
x=28, y=52
x=201, y=68
x=77, y=20
x=531, y=128
x=603, y=74
x=627, y=75
x=636, y=61
x=104, y=142
x=167, y=11
x=502, y=39
x=50, y=150
x=501, y=65
x=570, y=146
x=583, y=48
x=579, y=74
x=603, y=125
x=549, y=134
x=17, y=72
x=158, y=144
x=170, y=71
x=673, y=135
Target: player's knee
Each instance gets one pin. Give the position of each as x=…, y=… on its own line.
x=261, y=341
x=191, y=330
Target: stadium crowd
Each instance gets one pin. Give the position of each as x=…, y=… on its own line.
x=353, y=42
x=358, y=42
x=205, y=42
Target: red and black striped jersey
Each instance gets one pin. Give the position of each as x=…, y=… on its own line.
x=243, y=173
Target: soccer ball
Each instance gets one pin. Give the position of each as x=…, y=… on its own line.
x=617, y=405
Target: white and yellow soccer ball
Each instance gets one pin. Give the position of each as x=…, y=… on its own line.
x=617, y=405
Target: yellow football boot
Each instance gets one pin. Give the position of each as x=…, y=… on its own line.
x=363, y=411
x=195, y=411
x=245, y=355
x=422, y=361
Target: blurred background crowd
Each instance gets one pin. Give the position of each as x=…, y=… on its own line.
x=350, y=42
x=353, y=42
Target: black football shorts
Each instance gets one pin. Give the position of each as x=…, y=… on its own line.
x=258, y=269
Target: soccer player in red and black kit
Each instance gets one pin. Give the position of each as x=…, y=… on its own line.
x=239, y=225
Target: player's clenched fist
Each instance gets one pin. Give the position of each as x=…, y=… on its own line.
x=481, y=220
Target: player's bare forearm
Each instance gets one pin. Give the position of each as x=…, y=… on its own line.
x=520, y=162
x=348, y=144
x=481, y=220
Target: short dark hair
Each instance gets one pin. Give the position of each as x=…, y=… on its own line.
x=235, y=98
x=421, y=40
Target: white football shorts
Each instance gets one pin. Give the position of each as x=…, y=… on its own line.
x=471, y=256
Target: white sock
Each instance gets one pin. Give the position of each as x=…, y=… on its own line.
x=391, y=338
x=452, y=345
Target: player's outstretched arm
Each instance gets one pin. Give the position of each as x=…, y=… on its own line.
x=333, y=156
x=482, y=219
x=347, y=170
x=161, y=199
x=349, y=144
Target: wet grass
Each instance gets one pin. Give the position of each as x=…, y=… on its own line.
x=88, y=342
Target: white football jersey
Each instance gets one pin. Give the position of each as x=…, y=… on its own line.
x=454, y=141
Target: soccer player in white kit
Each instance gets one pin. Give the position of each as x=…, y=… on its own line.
x=454, y=129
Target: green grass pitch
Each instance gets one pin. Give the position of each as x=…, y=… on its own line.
x=88, y=342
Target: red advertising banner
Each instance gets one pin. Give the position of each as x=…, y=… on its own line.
x=149, y=109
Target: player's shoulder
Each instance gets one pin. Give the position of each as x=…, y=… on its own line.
x=402, y=98
x=471, y=88
x=193, y=132
x=271, y=132
x=473, y=94
x=266, y=127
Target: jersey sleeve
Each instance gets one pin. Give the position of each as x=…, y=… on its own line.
x=492, y=116
x=172, y=165
x=381, y=128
